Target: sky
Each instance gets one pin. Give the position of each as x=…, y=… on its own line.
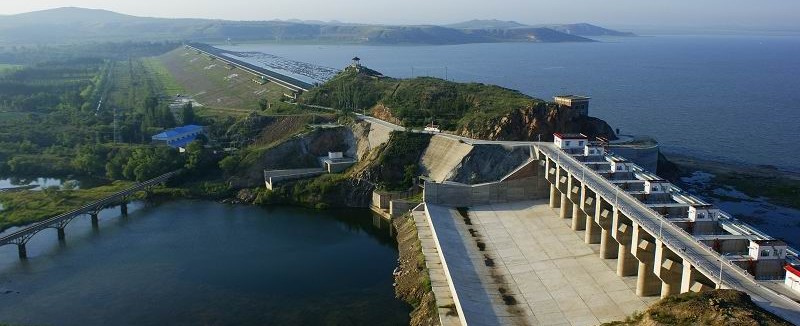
x=683, y=13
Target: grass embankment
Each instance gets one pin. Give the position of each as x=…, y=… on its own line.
x=717, y=308
x=221, y=91
x=416, y=101
x=25, y=207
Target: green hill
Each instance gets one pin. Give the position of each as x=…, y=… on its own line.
x=469, y=109
x=417, y=101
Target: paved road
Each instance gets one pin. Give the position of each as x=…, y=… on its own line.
x=466, y=140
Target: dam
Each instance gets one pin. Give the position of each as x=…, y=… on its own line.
x=578, y=234
x=586, y=236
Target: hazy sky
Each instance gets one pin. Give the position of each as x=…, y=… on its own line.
x=760, y=13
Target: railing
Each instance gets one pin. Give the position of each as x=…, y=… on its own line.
x=650, y=220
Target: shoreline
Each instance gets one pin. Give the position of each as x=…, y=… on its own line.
x=771, y=184
x=699, y=163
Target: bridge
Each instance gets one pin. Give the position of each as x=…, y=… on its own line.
x=21, y=237
x=290, y=83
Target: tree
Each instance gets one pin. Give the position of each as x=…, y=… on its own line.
x=263, y=104
x=150, y=162
x=229, y=164
x=198, y=158
x=89, y=160
x=188, y=114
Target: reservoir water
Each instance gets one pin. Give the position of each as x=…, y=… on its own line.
x=204, y=263
x=733, y=98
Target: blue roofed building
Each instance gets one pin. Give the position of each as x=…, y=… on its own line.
x=179, y=137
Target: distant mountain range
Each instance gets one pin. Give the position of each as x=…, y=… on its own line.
x=72, y=25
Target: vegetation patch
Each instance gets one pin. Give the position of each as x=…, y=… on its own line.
x=416, y=102
x=716, y=307
x=25, y=207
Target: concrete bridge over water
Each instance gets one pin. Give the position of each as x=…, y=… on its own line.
x=21, y=237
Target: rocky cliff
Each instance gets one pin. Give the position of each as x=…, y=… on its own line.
x=534, y=123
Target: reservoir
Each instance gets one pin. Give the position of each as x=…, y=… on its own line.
x=205, y=263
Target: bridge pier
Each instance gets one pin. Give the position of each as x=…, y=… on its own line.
x=694, y=281
x=61, y=234
x=566, y=207
x=647, y=283
x=555, y=196
x=626, y=262
x=578, y=218
x=592, y=233
x=669, y=268
x=95, y=220
x=608, y=246
x=23, y=252
x=124, y=209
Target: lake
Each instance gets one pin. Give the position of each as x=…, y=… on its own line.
x=205, y=263
x=730, y=98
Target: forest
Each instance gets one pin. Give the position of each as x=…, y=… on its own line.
x=88, y=111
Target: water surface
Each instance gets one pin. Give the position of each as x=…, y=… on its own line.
x=204, y=263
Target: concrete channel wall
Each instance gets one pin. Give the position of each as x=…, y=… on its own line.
x=452, y=194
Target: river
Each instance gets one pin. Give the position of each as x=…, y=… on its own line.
x=731, y=98
x=205, y=263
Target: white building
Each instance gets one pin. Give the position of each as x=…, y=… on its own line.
x=619, y=164
x=767, y=249
x=703, y=213
x=592, y=149
x=570, y=141
x=793, y=277
x=653, y=184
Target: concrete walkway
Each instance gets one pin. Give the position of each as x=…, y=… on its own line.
x=532, y=268
x=448, y=316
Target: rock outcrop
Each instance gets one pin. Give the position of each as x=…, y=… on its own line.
x=534, y=123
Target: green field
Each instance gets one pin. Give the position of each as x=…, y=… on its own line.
x=167, y=82
x=25, y=207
